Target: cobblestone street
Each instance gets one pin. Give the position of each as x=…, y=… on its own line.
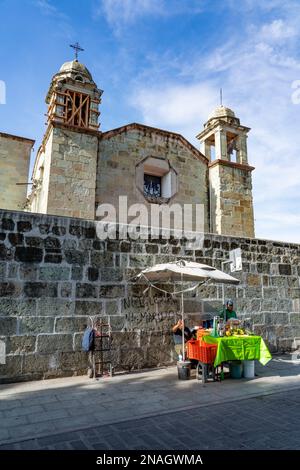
x=266, y=422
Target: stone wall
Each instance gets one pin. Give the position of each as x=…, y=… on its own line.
x=54, y=273
x=14, y=162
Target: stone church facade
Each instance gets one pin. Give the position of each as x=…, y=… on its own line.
x=78, y=167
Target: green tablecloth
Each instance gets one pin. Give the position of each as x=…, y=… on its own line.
x=243, y=348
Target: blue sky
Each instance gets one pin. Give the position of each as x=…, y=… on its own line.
x=162, y=62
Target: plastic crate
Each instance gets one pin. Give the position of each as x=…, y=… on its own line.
x=201, y=351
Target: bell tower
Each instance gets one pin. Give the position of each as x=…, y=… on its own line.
x=224, y=142
x=65, y=169
x=73, y=98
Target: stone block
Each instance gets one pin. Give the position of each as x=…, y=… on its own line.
x=102, y=260
x=53, y=258
x=52, y=243
x=2, y=271
x=8, y=289
x=71, y=324
x=278, y=281
x=13, y=271
x=125, y=340
x=92, y=274
x=54, y=273
x=253, y=280
x=285, y=344
x=142, y=261
x=89, y=232
x=269, y=305
x=2, y=236
x=17, y=307
x=74, y=360
x=274, y=318
x=65, y=289
x=253, y=292
x=77, y=273
x=85, y=245
x=255, y=305
x=85, y=290
x=75, y=230
x=7, y=224
x=76, y=257
x=12, y=368
x=58, y=230
x=28, y=254
x=285, y=269
x=40, y=289
x=78, y=341
x=294, y=293
x=112, y=275
x=36, y=325
x=98, y=245
x=39, y=362
x=54, y=343
x=5, y=253
x=54, y=307
x=158, y=356
x=117, y=322
x=112, y=307
x=44, y=228
x=69, y=244
x=15, y=238
x=8, y=326
x=270, y=293
x=27, y=272
x=20, y=344
x=284, y=305
x=294, y=318
x=263, y=268
x=131, y=359
x=257, y=318
x=111, y=291
x=87, y=307
x=24, y=226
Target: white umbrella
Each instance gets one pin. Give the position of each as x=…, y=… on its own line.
x=185, y=271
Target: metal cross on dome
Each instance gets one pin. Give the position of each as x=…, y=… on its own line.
x=76, y=48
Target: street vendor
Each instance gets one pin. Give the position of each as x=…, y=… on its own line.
x=228, y=312
x=177, y=335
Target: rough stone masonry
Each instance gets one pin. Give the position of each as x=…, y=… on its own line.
x=55, y=273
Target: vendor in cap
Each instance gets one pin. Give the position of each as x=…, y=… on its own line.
x=228, y=312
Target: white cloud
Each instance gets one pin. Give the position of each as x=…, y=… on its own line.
x=278, y=30
x=127, y=11
x=48, y=9
x=183, y=107
x=122, y=13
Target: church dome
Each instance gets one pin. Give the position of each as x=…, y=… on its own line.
x=220, y=112
x=75, y=67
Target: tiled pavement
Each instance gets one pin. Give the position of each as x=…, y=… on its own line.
x=268, y=422
x=154, y=410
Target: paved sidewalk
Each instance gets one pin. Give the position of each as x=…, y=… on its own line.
x=70, y=405
x=266, y=422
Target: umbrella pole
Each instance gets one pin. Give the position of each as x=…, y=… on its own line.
x=183, y=326
x=182, y=316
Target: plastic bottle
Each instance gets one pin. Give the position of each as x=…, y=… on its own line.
x=180, y=357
